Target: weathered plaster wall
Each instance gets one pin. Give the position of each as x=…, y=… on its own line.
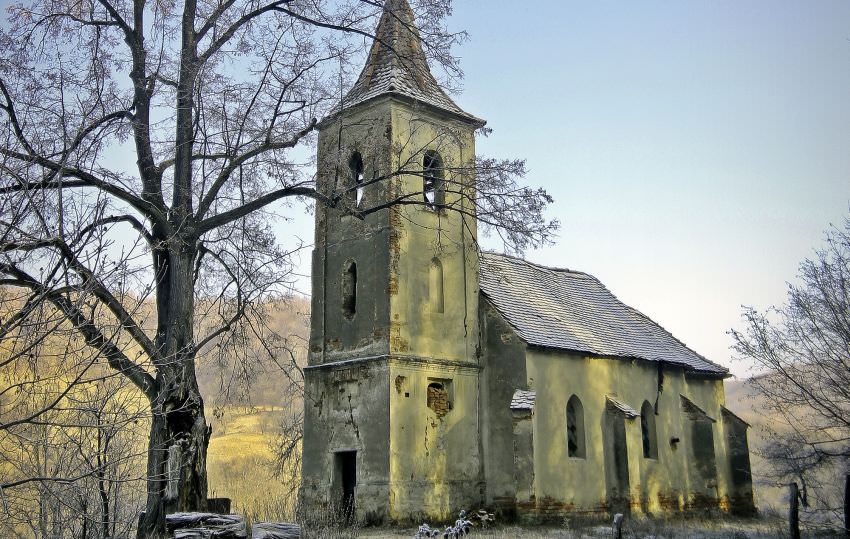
x=347, y=409
x=435, y=467
x=503, y=361
x=673, y=481
x=342, y=238
x=435, y=464
x=420, y=234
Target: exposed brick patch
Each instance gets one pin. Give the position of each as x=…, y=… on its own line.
x=438, y=400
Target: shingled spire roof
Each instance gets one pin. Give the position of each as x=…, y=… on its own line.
x=397, y=65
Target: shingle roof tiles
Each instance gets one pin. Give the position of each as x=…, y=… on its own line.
x=570, y=310
x=621, y=407
x=523, y=399
x=397, y=65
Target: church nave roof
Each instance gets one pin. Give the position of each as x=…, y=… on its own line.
x=571, y=310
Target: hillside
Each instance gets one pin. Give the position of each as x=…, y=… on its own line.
x=254, y=410
x=771, y=492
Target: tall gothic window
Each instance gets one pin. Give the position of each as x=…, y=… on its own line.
x=355, y=176
x=575, y=428
x=433, y=180
x=647, y=431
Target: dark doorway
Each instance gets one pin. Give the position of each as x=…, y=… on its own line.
x=616, y=463
x=346, y=468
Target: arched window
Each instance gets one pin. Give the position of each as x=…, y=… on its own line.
x=647, y=431
x=355, y=177
x=349, y=290
x=433, y=181
x=575, y=428
x=435, y=286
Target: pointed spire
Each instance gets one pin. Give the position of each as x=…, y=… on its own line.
x=397, y=65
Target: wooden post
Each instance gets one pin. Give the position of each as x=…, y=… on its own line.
x=847, y=506
x=794, y=511
x=617, y=529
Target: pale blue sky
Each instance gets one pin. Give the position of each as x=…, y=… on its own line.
x=696, y=150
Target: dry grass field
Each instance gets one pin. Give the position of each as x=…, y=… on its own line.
x=240, y=464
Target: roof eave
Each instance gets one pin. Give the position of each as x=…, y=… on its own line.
x=462, y=116
x=689, y=369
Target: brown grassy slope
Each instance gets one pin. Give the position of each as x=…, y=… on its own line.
x=247, y=424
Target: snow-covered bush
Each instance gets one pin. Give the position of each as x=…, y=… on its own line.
x=461, y=528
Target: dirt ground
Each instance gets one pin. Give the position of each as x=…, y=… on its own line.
x=635, y=529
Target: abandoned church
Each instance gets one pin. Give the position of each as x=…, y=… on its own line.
x=441, y=377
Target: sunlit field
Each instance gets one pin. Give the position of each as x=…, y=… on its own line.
x=241, y=464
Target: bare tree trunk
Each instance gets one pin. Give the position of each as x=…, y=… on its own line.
x=84, y=532
x=847, y=506
x=101, y=478
x=177, y=451
x=104, y=503
x=793, y=511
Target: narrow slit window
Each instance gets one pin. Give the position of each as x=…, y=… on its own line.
x=647, y=431
x=575, y=428
x=349, y=290
x=435, y=286
x=433, y=180
x=355, y=173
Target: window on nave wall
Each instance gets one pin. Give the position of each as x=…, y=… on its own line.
x=647, y=430
x=575, y=428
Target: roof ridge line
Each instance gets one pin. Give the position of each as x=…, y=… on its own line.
x=540, y=266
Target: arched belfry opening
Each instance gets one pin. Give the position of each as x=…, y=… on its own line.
x=356, y=186
x=433, y=180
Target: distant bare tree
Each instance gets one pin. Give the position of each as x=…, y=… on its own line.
x=71, y=438
x=146, y=151
x=802, y=350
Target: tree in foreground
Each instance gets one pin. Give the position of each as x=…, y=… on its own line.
x=150, y=153
x=802, y=350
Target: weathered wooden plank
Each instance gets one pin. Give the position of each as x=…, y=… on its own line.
x=275, y=530
x=206, y=526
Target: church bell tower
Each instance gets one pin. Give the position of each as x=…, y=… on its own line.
x=391, y=407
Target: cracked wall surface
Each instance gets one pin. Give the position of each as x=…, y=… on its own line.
x=412, y=460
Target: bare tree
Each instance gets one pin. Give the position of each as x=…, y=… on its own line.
x=802, y=350
x=70, y=439
x=146, y=149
